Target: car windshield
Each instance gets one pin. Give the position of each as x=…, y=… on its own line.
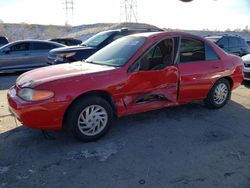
x=118, y=52
x=97, y=39
x=214, y=39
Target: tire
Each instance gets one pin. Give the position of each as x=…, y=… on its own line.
x=89, y=118
x=219, y=94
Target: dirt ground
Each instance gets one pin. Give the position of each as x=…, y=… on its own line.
x=188, y=146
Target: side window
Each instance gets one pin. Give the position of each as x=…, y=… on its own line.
x=159, y=56
x=223, y=42
x=233, y=42
x=42, y=46
x=20, y=47
x=210, y=53
x=191, y=50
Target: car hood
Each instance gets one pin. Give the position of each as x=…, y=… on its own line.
x=58, y=72
x=68, y=49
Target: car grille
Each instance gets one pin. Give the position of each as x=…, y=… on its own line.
x=247, y=65
x=247, y=74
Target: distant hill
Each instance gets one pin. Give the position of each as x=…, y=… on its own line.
x=33, y=31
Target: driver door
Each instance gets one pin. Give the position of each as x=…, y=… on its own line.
x=153, y=82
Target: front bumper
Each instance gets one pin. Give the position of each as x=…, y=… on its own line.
x=46, y=115
x=246, y=73
x=52, y=60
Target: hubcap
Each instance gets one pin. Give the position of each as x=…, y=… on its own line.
x=92, y=120
x=220, y=93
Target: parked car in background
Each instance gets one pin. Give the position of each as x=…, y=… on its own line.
x=67, y=41
x=232, y=44
x=246, y=60
x=3, y=40
x=248, y=42
x=90, y=46
x=25, y=55
x=137, y=73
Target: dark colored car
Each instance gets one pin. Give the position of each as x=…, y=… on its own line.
x=248, y=43
x=3, y=41
x=25, y=55
x=90, y=46
x=134, y=74
x=232, y=44
x=67, y=41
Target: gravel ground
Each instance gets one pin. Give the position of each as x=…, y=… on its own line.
x=188, y=146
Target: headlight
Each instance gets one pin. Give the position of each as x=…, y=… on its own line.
x=60, y=57
x=29, y=94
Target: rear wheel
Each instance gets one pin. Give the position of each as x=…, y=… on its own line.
x=219, y=94
x=89, y=118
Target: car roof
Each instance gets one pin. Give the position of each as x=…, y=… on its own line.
x=34, y=40
x=166, y=33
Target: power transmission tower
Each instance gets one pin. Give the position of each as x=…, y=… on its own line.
x=69, y=11
x=128, y=11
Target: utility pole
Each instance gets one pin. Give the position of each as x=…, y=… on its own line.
x=128, y=11
x=69, y=12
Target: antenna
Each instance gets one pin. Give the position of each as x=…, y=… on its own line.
x=128, y=11
x=69, y=11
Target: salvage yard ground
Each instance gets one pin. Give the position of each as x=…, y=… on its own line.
x=186, y=146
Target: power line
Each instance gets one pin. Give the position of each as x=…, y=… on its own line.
x=69, y=12
x=128, y=11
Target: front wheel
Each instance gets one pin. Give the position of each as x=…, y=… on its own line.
x=89, y=118
x=219, y=94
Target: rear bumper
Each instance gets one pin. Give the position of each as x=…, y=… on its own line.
x=46, y=115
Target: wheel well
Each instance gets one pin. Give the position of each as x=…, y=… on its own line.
x=102, y=94
x=230, y=80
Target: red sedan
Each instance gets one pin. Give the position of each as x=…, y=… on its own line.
x=134, y=74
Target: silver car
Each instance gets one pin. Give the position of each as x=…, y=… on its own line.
x=25, y=55
x=246, y=60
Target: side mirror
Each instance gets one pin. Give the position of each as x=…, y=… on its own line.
x=6, y=50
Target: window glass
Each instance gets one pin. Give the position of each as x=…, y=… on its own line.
x=117, y=37
x=42, y=46
x=210, y=53
x=233, y=42
x=223, y=42
x=20, y=47
x=97, y=39
x=191, y=50
x=158, y=57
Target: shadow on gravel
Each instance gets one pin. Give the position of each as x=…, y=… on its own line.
x=183, y=115
x=142, y=145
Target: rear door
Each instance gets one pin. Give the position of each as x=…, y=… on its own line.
x=154, y=84
x=39, y=53
x=16, y=57
x=198, y=66
x=234, y=46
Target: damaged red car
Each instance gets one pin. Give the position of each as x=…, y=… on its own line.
x=134, y=74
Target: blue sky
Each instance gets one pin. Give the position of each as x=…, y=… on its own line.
x=199, y=14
